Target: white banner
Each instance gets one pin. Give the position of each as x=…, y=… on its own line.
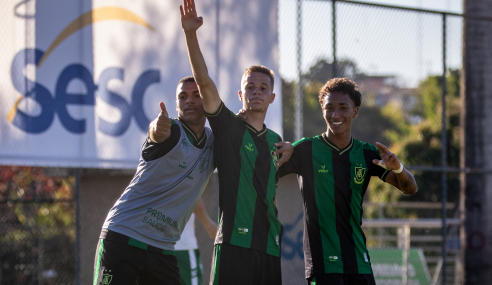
x=81, y=80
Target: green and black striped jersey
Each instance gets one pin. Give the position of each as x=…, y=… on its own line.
x=333, y=182
x=247, y=183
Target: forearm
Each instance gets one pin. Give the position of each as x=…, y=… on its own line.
x=406, y=182
x=208, y=90
x=202, y=214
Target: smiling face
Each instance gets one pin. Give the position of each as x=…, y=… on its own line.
x=189, y=103
x=339, y=111
x=256, y=92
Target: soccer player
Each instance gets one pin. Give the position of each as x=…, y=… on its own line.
x=189, y=262
x=247, y=246
x=334, y=171
x=137, y=239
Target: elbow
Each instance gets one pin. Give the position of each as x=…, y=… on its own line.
x=411, y=190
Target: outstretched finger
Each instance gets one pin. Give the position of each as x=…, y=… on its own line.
x=382, y=148
x=181, y=10
x=193, y=5
x=379, y=162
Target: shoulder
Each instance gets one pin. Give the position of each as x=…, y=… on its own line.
x=367, y=148
x=305, y=141
x=273, y=135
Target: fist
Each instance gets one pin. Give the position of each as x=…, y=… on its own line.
x=162, y=125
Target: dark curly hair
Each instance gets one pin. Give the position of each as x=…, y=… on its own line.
x=343, y=85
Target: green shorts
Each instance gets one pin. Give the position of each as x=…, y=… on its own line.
x=190, y=266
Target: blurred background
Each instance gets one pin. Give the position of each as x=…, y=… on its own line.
x=423, y=68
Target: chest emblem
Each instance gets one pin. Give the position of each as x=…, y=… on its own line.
x=183, y=142
x=203, y=165
x=274, y=157
x=360, y=173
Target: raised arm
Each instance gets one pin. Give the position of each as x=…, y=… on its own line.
x=190, y=23
x=209, y=225
x=403, y=180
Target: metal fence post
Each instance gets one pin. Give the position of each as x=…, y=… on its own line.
x=298, y=106
x=334, y=36
x=444, y=144
x=77, y=226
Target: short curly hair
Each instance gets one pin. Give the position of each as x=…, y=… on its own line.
x=343, y=85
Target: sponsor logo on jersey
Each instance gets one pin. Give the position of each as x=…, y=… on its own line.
x=249, y=147
x=107, y=278
x=189, y=177
x=183, y=141
x=323, y=170
x=158, y=216
x=277, y=239
x=183, y=165
x=365, y=257
x=203, y=165
x=333, y=258
x=242, y=230
x=360, y=173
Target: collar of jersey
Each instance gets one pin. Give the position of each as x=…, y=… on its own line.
x=258, y=133
x=333, y=146
x=191, y=133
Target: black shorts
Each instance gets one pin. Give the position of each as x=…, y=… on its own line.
x=122, y=264
x=342, y=279
x=244, y=266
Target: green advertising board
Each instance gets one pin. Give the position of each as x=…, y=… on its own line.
x=387, y=265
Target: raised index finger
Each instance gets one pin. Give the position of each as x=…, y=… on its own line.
x=382, y=148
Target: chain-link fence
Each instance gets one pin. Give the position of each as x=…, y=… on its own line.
x=398, y=57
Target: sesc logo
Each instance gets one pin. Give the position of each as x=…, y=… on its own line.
x=58, y=102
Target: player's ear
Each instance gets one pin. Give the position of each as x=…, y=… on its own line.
x=273, y=98
x=177, y=106
x=240, y=94
x=356, y=112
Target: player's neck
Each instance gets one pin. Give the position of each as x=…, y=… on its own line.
x=340, y=140
x=255, y=119
x=197, y=126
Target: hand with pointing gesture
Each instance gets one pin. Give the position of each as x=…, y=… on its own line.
x=389, y=160
x=160, y=128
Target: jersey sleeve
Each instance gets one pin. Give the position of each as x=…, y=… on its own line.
x=221, y=121
x=152, y=150
x=294, y=164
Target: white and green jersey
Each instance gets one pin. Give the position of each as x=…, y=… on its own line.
x=156, y=205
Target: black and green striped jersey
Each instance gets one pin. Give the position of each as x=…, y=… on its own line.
x=247, y=183
x=333, y=182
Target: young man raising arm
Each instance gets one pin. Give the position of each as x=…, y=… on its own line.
x=247, y=246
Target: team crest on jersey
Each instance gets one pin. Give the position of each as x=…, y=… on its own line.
x=107, y=278
x=274, y=157
x=203, y=165
x=360, y=173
